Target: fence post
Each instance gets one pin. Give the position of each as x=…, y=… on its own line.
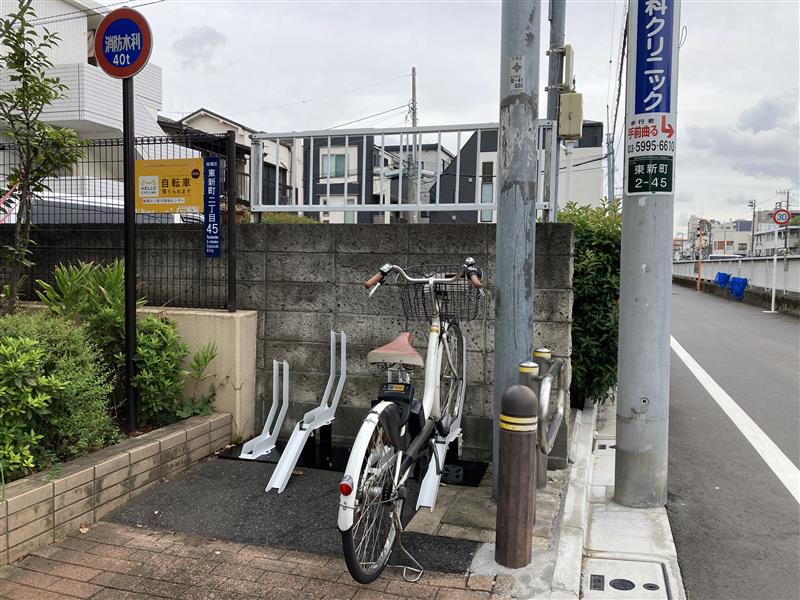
x=516, y=485
x=231, y=166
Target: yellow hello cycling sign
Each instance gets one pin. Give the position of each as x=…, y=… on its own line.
x=169, y=186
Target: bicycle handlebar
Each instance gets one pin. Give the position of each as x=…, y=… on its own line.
x=470, y=270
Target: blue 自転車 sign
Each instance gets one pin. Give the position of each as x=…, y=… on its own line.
x=654, y=38
x=211, y=214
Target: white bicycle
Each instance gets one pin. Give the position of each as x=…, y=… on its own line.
x=401, y=431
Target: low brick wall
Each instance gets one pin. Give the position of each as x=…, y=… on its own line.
x=47, y=506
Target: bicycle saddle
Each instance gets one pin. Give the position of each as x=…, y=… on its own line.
x=398, y=351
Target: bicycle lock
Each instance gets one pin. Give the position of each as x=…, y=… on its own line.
x=516, y=485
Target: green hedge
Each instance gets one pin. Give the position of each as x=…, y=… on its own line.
x=595, y=308
x=74, y=385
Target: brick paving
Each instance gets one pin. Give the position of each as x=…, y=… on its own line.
x=116, y=562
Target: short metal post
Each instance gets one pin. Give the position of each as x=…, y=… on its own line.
x=543, y=358
x=516, y=485
x=530, y=375
x=231, y=165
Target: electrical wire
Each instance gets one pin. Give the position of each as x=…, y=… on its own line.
x=355, y=89
x=383, y=112
x=49, y=20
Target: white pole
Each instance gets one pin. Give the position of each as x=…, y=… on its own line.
x=774, y=271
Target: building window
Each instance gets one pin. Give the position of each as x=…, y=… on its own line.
x=332, y=166
x=742, y=247
x=338, y=216
x=487, y=190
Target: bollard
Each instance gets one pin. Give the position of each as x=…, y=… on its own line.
x=529, y=376
x=516, y=486
x=542, y=357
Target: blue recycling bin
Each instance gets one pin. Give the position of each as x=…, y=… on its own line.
x=737, y=286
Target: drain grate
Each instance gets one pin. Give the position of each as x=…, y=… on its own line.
x=619, y=579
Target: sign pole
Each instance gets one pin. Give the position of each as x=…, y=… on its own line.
x=774, y=270
x=122, y=46
x=646, y=261
x=129, y=157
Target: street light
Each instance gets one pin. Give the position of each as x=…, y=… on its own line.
x=752, y=203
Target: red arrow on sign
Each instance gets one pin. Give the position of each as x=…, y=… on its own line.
x=667, y=127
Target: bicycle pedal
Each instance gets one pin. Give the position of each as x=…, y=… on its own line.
x=402, y=492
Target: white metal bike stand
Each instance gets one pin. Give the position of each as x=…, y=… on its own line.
x=430, y=483
x=265, y=443
x=314, y=419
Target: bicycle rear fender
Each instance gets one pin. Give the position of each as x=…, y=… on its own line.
x=353, y=469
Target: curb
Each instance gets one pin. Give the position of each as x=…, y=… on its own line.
x=566, y=582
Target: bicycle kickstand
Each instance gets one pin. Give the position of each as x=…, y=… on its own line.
x=416, y=569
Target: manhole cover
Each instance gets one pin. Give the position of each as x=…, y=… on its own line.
x=619, y=579
x=622, y=584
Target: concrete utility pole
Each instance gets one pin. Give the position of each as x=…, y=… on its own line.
x=516, y=210
x=413, y=96
x=555, y=78
x=646, y=265
x=752, y=224
x=610, y=164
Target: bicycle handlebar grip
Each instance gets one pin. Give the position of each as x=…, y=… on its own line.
x=374, y=280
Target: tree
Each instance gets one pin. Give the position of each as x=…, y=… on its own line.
x=41, y=150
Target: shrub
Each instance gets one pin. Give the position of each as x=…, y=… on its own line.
x=272, y=218
x=24, y=401
x=159, y=373
x=78, y=419
x=595, y=309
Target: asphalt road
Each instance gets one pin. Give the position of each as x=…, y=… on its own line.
x=736, y=527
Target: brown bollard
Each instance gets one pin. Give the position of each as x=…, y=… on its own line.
x=516, y=489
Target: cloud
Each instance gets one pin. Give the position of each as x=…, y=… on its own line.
x=197, y=45
x=762, y=143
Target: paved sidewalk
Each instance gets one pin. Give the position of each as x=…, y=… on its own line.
x=118, y=562
x=627, y=551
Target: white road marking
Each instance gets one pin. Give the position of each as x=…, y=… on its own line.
x=776, y=460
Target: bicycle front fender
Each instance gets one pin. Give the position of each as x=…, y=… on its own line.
x=354, y=462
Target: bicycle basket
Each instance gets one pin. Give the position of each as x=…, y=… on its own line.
x=458, y=301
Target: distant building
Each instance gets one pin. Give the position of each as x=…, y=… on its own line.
x=92, y=103
x=587, y=182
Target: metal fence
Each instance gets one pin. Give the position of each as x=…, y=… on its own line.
x=80, y=218
x=443, y=174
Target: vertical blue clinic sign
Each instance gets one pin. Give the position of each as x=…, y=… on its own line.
x=654, y=39
x=211, y=207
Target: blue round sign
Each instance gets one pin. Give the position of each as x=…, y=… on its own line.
x=122, y=43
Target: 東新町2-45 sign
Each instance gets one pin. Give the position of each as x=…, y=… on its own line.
x=123, y=43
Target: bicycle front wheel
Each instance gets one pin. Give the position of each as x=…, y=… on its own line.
x=368, y=544
x=451, y=377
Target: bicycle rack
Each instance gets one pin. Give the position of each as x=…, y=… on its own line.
x=265, y=443
x=430, y=483
x=314, y=419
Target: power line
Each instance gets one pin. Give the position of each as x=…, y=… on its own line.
x=77, y=14
x=383, y=112
x=355, y=89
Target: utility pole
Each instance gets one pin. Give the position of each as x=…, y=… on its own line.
x=557, y=16
x=640, y=477
x=413, y=216
x=786, y=228
x=752, y=203
x=516, y=207
x=610, y=164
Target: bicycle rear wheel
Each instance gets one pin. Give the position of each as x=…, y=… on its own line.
x=368, y=544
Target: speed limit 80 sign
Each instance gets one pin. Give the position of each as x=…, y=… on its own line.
x=123, y=43
x=781, y=216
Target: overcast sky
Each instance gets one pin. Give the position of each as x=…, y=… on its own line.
x=738, y=88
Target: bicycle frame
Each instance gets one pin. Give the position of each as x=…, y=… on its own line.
x=432, y=410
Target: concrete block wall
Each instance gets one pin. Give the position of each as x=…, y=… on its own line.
x=47, y=506
x=305, y=280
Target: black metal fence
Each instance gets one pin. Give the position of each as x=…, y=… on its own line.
x=89, y=198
